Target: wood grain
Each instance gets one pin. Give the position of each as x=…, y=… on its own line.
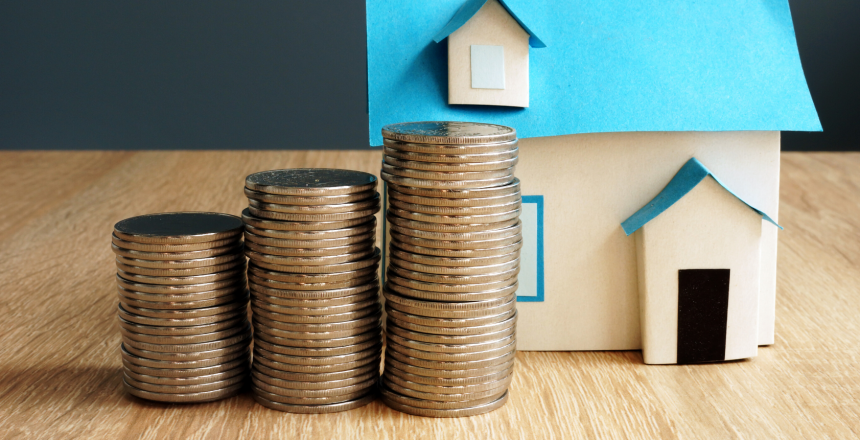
x=60, y=369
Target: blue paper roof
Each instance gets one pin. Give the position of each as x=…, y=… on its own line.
x=690, y=175
x=644, y=65
x=469, y=9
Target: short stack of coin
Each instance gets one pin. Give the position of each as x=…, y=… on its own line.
x=183, y=306
x=450, y=291
x=313, y=269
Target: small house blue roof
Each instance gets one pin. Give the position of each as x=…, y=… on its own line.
x=469, y=9
x=690, y=175
x=608, y=66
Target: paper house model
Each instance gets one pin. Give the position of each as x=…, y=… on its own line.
x=698, y=253
x=621, y=97
x=488, y=55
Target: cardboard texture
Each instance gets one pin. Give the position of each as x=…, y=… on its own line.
x=608, y=67
x=590, y=183
x=709, y=228
x=491, y=26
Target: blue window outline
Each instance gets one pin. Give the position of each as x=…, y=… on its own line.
x=540, y=281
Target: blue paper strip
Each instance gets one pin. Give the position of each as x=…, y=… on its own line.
x=469, y=9
x=539, y=270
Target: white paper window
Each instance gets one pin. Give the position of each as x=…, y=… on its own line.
x=488, y=67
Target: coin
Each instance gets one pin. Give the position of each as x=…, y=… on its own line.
x=449, y=288
x=364, y=246
x=309, y=261
x=392, y=328
x=310, y=182
x=281, y=285
x=178, y=322
x=239, y=303
x=187, y=255
x=190, y=356
x=318, y=327
x=439, y=397
x=205, y=270
x=449, y=374
x=327, y=368
x=183, y=330
x=452, y=357
x=334, y=343
x=309, y=400
x=314, y=303
x=185, y=247
x=319, y=385
x=406, y=223
x=450, y=153
x=389, y=395
x=449, y=322
x=315, y=311
x=316, y=409
x=432, y=132
x=341, y=208
x=440, y=381
x=478, y=219
x=183, y=280
x=281, y=225
x=445, y=348
x=283, y=318
x=440, y=365
x=451, y=167
x=441, y=313
x=336, y=394
x=455, y=331
x=514, y=230
x=450, y=296
x=190, y=380
x=310, y=379
x=181, y=264
x=373, y=285
x=319, y=337
x=205, y=396
x=184, y=389
x=190, y=347
x=471, y=202
x=310, y=278
x=350, y=218
x=309, y=200
x=371, y=260
x=178, y=228
x=172, y=305
x=458, y=253
x=444, y=413
x=235, y=282
x=505, y=179
x=187, y=372
x=185, y=364
x=458, y=392
x=184, y=339
x=455, y=211
x=453, y=279
x=316, y=352
x=447, y=176
x=235, y=289
x=308, y=244
x=314, y=236
x=478, y=192
x=459, y=271
x=393, y=299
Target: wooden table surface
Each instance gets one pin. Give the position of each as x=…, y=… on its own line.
x=60, y=367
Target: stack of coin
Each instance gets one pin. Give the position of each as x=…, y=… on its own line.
x=313, y=268
x=183, y=306
x=450, y=292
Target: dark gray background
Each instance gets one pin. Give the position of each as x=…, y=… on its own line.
x=269, y=74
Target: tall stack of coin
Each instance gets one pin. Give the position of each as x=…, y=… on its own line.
x=450, y=291
x=310, y=236
x=183, y=306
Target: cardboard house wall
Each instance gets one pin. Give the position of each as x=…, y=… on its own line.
x=698, y=249
x=621, y=97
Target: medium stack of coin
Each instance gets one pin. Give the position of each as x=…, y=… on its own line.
x=310, y=236
x=455, y=238
x=183, y=306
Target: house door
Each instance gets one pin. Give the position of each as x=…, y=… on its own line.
x=703, y=308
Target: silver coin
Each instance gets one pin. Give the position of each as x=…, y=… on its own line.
x=393, y=299
x=446, y=184
x=318, y=385
x=334, y=393
x=311, y=182
x=460, y=391
x=450, y=296
x=477, y=219
x=450, y=153
x=316, y=339
x=266, y=211
x=455, y=248
x=182, y=264
x=309, y=244
x=239, y=304
x=281, y=285
x=310, y=380
x=447, y=176
x=181, y=331
x=334, y=344
x=318, y=327
x=318, y=361
x=453, y=261
x=205, y=396
x=364, y=246
x=183, y=365
x=309, y=200
x=317, y=209
x=187, y=372
x=310, y=400
x=442, y=313
x=451, y=167
x=392, y=328
x=316, y=409
x=178, y=227
x=313, y=236
x=205, y=270
x=440, y=365
x=371, y=260
x=449, y=270
x=329, y=368
x=185, y=247
x=312, y=352
x=281, y=225
x=406, y=391
x=448, y=322
x=478, y=192
x=190, y=356
x=237, y=281
x=390, y=370
x=449, y=288
x=447, y=132
x=317, y=295
x=315, y=311
x=185, y=339
x=282, y=318
x=290, y=277
x=449, y=374
x=443, y=348
x=316, y=303
x=189, y=347
x=452, y=357
x=258, y=257
x=179, y=322
x=190, y=380
x=394, y=195
x=391, y=396
x=173, y=256
x=514, y=230
x=236, y=289
x=405, y=223
x=184, y=389
x=456, y=210
x=183, y=280
x=180, y=305
x=453, y=279
x=455, y=331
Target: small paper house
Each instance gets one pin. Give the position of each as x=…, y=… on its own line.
x=698, y=253
x=621, y=97
x=488, y=55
